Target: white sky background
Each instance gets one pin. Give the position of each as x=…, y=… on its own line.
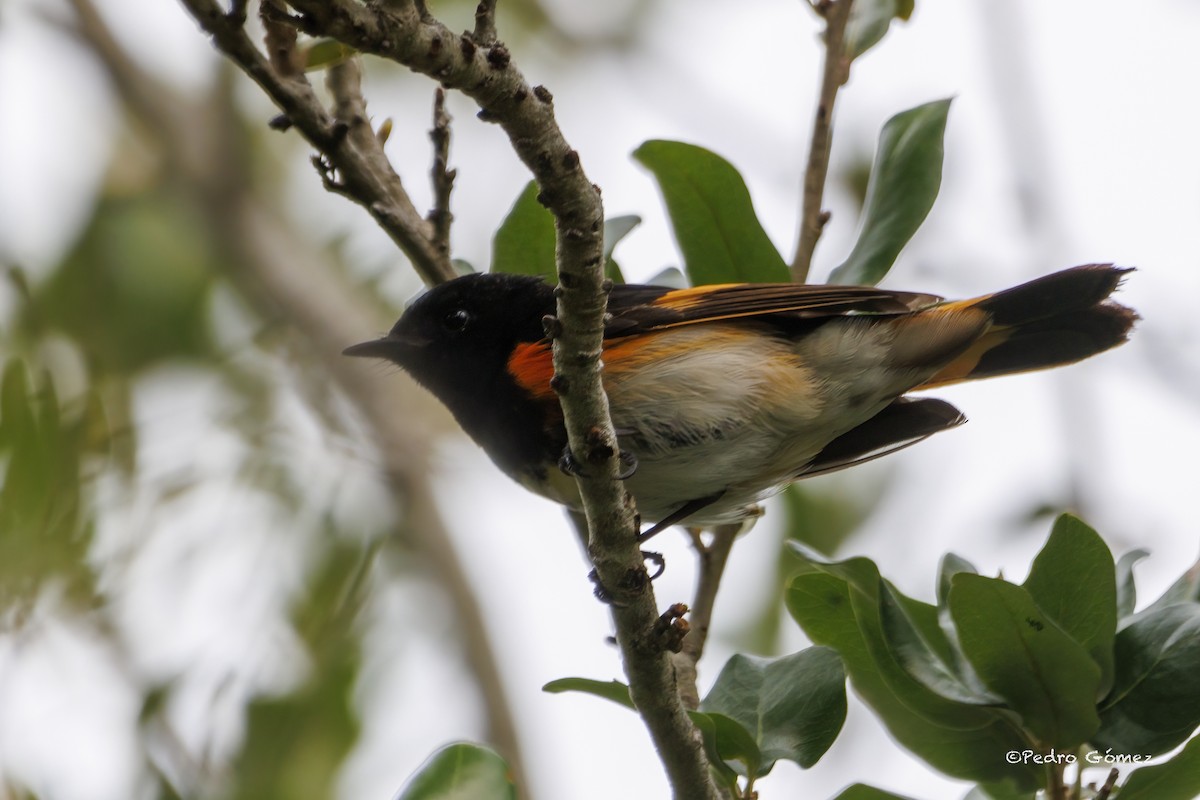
x=1103, y=127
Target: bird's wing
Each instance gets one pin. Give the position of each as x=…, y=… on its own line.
x=639, y=309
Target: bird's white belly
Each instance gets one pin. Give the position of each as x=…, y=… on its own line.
x=740, y=415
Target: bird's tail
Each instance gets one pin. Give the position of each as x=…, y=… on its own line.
x=1055, y=320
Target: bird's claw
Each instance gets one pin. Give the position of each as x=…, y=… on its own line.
x=570, y=465
x=605, y=596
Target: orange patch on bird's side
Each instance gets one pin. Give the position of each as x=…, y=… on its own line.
x=631, y=353
x=532, y=366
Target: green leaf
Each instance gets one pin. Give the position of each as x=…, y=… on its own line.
x=869, y=21
x=1176, y=779
x=135, y=288
x=793, y=706
x=712, y=216
x=1073, y=580
x=734, y=746
x=1022, y=655
x=818, y=518
x=921, y=648
x=1185, y=590
x=837, y=605
x=998, y=792
x=951, y=565
x=461, y=771
x=1126, y=587
x=462, y=266
x=860, y=791
x=610, y=690
x=708, y=732
x=325, y=53
x=1155, y=701
x=45, y=518
x=616, y=229
x=905, y=179
x=524, y=243
x=670, y=277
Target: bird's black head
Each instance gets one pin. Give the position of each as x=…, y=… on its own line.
x=457, y=337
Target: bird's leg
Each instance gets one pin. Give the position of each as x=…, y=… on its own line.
x=679, y=515
x=570, y=465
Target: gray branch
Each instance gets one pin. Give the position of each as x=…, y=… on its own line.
x=404, y=32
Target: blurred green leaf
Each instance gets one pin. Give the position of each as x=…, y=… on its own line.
x=134, y=290
x=712, y=216
x=793, y=707
x=524, y=243
x=837, y=605
x=324, y=53
x=462, y=267
x=616, y=229
x=609, y=690
x=823, y=519
x=905, y=179
x=951, y=565
x=869, y=22
x=45, y=519
x=670, y=277
x=1155, y=701
x=1176, y=779
x=1021, y=654
x=295, y=744
x=860, y=791
x=461, y=772
x=1073, y=580
x=818, y=518
x=1126, y=587
x=1184, y=590
x=998, y=792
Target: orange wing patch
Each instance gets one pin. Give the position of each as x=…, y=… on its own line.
x=532, y=366
x=683, y=299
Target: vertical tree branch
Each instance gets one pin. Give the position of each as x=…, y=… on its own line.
x=408, y=35
x=834, y=74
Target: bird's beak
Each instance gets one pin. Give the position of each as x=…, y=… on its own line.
x=390, y=347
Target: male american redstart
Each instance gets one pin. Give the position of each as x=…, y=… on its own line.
x=721, y=395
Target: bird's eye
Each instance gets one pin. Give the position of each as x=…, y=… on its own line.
x=457, y=320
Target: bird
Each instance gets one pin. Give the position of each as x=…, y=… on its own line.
x=722, y=395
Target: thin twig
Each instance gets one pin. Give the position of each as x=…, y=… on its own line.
x=1109, y=783
x=489, y=76
x=485, y=23
x=442, y=176
x=280, y=40
x=358, y=160
x=834, y=74
x=712, y=559
x=402, y=33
